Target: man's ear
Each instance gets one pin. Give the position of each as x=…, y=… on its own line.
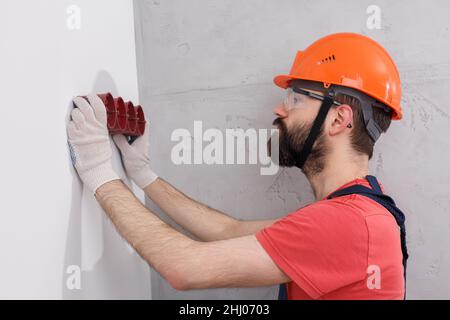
x=342, y=119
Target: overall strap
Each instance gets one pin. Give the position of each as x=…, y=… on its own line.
x=282, y=292
x=374, y=184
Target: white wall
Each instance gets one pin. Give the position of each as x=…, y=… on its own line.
x=48, y=222
x=214, y=61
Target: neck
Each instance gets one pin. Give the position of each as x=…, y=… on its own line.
x=337, y=172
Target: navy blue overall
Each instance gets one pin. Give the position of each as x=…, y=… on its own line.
x=377, y=195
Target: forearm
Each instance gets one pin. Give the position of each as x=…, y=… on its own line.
x=202, y=221
x=155, y=241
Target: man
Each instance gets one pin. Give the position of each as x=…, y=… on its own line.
x=342, y=93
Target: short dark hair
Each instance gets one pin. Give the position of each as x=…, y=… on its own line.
x=359, y=138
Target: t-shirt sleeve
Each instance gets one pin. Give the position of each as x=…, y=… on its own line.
x=321, y=247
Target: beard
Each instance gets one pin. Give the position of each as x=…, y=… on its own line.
x=291, y=144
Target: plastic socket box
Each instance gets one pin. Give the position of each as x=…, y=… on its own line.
x=123, y=117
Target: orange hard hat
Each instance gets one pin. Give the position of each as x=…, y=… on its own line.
x=349, y=60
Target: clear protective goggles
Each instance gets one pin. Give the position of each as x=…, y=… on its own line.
x=296, y=97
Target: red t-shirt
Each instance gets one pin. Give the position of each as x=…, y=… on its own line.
x=347, y=247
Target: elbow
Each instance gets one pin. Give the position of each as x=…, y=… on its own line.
x=183, y=281
x=181, y=270
x=178, y=281
x=177, y=275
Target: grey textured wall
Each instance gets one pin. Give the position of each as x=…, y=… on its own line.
x=214, y=61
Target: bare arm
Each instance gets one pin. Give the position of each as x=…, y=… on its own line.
x=202, y=221
x=185, y=263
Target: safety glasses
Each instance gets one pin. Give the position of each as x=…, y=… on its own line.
x=296, y=97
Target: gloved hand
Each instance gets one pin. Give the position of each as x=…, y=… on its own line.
x=89, y=143
x=135, y=159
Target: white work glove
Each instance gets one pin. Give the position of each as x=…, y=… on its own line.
x=135, y=159
x=89, y=144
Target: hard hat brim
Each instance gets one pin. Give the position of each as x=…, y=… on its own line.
x=282, y=81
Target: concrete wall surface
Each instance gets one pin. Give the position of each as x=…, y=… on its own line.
x=214, y=61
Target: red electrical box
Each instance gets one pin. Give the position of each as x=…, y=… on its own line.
x=123, y=117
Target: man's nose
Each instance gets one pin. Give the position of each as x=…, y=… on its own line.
x=280, y=111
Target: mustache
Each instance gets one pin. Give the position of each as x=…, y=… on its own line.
x=281, y=125
x=279, y=122
x=276, y=121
